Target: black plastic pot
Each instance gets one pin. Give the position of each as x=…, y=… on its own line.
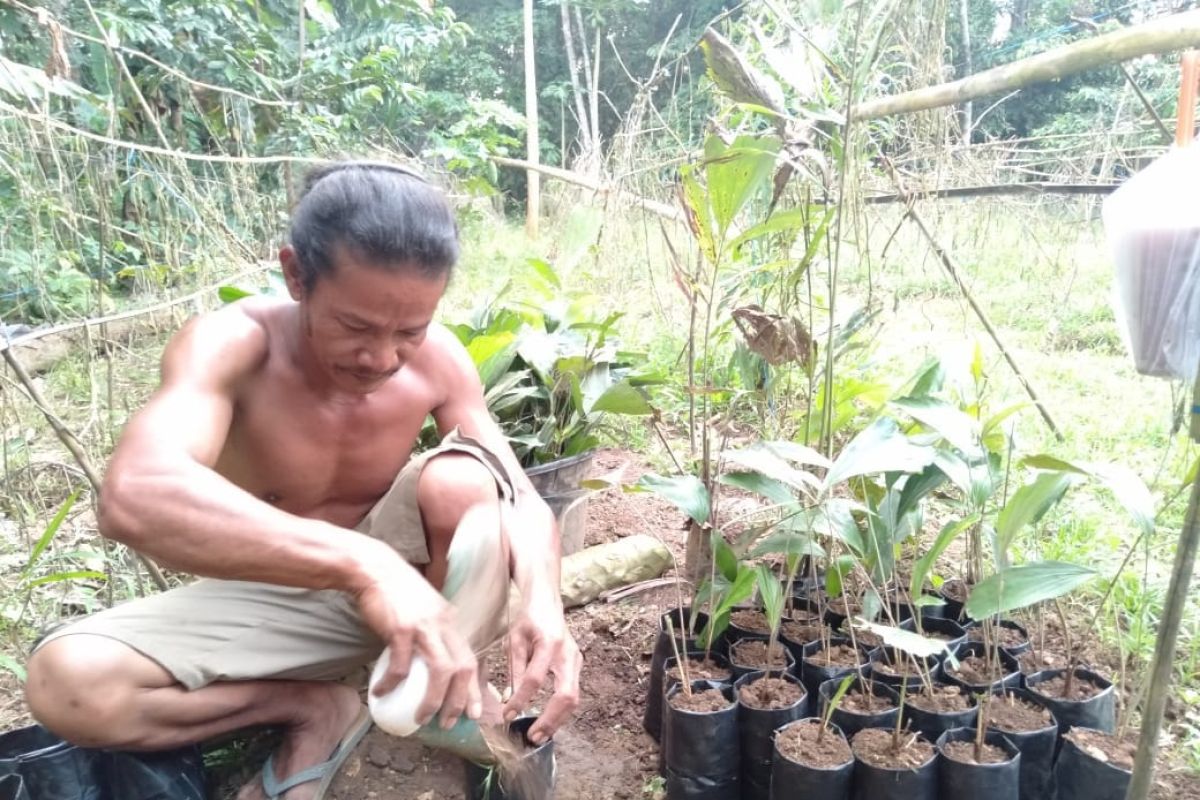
x=1012, y=626
x=1097, y=712
x=1081, y=777
x=883, y=783
x=886, y=656
x=1037, y=751
x=813, y=673
x=756, y=729
x=534, y=779
x=945, y=627
x=796, y=648
x=702, y=753
x=792, y=779
x=670, y=683
x=852, y=722
x=38, y=764
x=1011, y=669
x=954, y=607
x=1000, y=781
x=652, y=716
x=735, y=633
x=745, y=669
x=933, y=724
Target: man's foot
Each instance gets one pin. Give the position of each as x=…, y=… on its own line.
x=325, y=715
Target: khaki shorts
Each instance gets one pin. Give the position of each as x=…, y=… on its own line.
x=218, y=630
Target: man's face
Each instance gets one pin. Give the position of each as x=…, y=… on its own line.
x=363, y=322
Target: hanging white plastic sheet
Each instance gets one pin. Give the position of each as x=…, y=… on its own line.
x=1153, y=228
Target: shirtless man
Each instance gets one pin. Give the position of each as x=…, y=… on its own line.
x=274, y=460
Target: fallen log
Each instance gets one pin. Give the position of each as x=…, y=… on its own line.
x=591, y=572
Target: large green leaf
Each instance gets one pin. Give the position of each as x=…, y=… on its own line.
x=735, y=173
x=1027, y=506
x=770, y=592
x=787, y=542
x=699, y=213
x=622, y=398
x=1022, y=586
x=799, y=453
x=762, y=460
x=1125, y=485
x=685, y=491
x=834, y=518
x=775, y=491
x=880, y=447
x=929, y=378
x=724, y=558
x=917, y=487
x=956, y=427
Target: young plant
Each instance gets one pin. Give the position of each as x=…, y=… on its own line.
x=834, y=702
x=771, y=593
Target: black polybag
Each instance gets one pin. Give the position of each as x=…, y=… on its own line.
x=702, y=751
x=1001, y=781
x=47, y=768
x=756, y=730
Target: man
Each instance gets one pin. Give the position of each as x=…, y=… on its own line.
x=275, y=459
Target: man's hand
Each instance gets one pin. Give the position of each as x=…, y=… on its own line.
x=541, y=645
x=411, y=617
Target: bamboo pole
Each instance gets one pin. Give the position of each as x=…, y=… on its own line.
x=1168, y=633
x=567, y=176
x=948, y=263
x=1163, y=35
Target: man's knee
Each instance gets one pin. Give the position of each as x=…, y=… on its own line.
x=449, y=485
x=77, y=688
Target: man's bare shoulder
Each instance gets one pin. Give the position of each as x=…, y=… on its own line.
x=223, y=346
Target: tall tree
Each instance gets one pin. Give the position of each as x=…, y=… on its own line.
x=534, y=200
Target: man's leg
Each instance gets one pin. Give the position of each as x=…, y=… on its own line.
x=97, y=692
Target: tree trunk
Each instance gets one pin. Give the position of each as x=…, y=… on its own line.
x=534, y=197
x=581, y=114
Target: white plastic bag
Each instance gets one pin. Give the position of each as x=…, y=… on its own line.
x=1153, y=227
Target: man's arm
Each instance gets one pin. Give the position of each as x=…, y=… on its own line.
x=541, y=643
x=161, y=496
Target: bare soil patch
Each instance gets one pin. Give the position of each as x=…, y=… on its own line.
x=1104, y=747
x=964, y=752
x=753, y=653
x=770, y=693
x=803, y=744
x=1081, y=688
x=943, y=699
x=1016, y=715
x=700, y=702
x=874, y=746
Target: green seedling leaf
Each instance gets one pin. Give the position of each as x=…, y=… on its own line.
x=836, y=700
x=775, y=491
x=545, y=271
x=799, y=453
x=1027, y=506
x=925, y=563
x=764, y=461
x=1022, y=586
x=914, y=644
x=880, y=447
x=953, y=425
x=993, y=422
x=76, y=575
x=789, y=220
x=685, y=491
x=44, y=540
x=789, y=543
x=835, y=574
x=770, y=591
x=622, y=398
x=735, y=173
x=929, y=379
x=726, y=560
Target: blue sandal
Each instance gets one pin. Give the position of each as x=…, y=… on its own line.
x=324, y=772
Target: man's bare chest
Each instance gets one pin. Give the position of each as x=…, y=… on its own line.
x=325, y=461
